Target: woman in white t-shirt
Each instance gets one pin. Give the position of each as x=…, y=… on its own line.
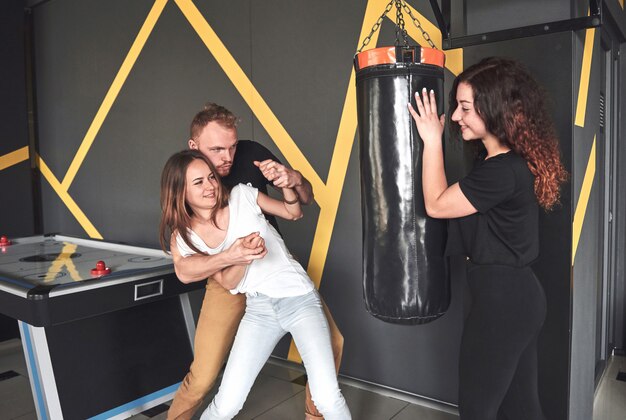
x=280, y=297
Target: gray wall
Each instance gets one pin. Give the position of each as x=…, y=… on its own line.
x=587, y=270
x=598, y=270
x=488, y=15
x=298, y=55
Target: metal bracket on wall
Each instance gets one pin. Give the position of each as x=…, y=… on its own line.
x=442, y=15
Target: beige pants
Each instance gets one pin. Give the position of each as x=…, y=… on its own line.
x=217, y=325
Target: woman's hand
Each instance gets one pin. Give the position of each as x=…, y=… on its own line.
x=429, y=125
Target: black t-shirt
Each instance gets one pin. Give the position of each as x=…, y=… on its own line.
x=243, y=170
x=505, y=230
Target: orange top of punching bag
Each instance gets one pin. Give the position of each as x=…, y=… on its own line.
x=389, y=55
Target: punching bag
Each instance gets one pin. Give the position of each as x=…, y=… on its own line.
x=405, y=277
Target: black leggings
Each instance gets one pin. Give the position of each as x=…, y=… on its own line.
x=498, y=362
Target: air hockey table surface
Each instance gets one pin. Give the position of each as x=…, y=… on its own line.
x=97, y=345
x=45, y=280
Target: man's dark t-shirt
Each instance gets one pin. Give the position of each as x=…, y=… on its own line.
x=505, y=230
x=243, y=170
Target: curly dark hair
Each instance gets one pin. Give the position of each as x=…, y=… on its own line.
x=513, y=107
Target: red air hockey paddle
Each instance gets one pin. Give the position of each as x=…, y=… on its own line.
x=101, y=269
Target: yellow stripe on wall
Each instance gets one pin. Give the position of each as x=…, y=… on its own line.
x=61, y=188
x=583, y=199
x=338, y=166
x=334, y=185
x=579, y=120
x=13, y=158
x=67, y=200
x=250, y=94
x=585, y=73
x=114, y=90
x=327, y=194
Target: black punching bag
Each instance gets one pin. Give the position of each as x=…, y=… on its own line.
x=405, y=277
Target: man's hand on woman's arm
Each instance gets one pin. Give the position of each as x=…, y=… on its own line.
x=198, y=267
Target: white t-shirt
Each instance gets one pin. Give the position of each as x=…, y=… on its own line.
x=277, y=274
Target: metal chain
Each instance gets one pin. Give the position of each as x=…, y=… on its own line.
x=400, y=31
x=400, y=4
x=417, y=23
x=376, y=26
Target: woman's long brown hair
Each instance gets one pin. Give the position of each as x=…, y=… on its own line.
x=175, y=212
x=513, y=107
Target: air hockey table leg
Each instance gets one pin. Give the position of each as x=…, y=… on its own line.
x=138, y=406
x=40, y=373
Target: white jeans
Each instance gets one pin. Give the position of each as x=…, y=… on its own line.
x=266, y=320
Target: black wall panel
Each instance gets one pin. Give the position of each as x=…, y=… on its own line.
x=549, y=59
x=16, y=194
x=620, y=291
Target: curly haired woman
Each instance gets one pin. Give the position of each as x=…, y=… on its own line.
x=494, y=222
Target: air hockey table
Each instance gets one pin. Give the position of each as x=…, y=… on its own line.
x=98, y=344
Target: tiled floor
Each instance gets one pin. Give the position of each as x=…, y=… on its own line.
x=278, y=394
x=610, y=399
